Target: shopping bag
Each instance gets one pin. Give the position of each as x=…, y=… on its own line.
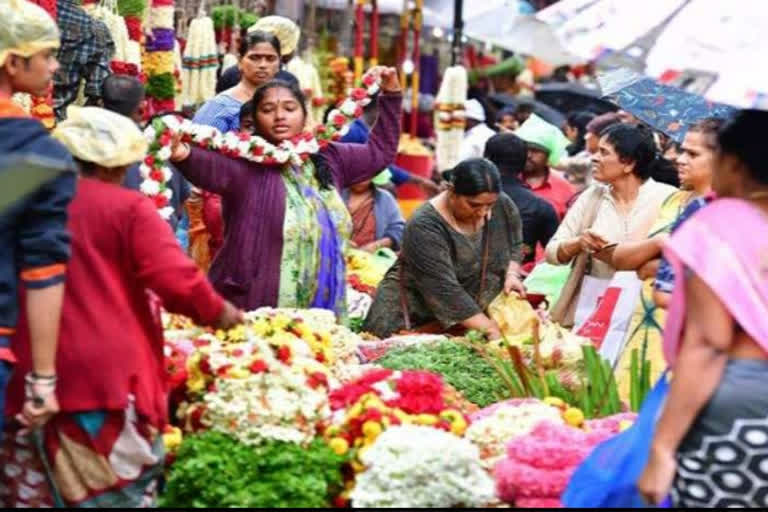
x=604, y=312
x=548, y=280
x=608, y=476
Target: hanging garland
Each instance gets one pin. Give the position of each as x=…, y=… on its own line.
x=158, y=61
x=156, y=173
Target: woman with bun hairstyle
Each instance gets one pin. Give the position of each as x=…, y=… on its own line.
x=459, y=251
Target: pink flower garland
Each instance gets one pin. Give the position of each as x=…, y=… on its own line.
x=156, y=173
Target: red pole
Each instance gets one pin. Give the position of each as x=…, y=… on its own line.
x=375, y=33
x=359, y=29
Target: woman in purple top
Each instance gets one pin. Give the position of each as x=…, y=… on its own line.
x=287, y=226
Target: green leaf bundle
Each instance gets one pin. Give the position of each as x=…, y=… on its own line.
x=212, y=470
x=460, y=366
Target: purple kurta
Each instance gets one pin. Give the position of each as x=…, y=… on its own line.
x=247, y=268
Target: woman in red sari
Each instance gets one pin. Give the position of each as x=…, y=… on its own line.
x=104, y=447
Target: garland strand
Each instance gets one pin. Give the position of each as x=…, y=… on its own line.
x=156, y=173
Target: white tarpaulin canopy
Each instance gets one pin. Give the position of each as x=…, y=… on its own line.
x=709, y=47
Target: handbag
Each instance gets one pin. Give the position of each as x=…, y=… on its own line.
x=564, y=310
x=608, y=476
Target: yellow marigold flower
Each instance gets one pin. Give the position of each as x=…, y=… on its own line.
x=339, y=445
x=426, y=419
x=371, y=429
x=280, y=322
x=573, y=417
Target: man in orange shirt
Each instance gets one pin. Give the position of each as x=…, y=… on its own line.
x=546, y=145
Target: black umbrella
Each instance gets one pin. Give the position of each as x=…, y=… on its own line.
x=544, y=111
x=571, y=96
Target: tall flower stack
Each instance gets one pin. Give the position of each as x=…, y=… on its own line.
x=156, y=174
x=133, y=12
x=200, y=60
x=159, y=58
x=127, y=57
x=449, y=116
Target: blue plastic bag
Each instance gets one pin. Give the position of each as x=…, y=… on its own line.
x=607, y=478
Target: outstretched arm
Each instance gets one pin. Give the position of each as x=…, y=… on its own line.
x=353, y=163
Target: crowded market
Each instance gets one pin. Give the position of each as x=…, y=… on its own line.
x=383, y=253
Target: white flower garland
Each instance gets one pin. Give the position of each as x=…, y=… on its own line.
x=156, y=174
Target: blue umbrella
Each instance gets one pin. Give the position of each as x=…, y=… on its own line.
x=665, y=108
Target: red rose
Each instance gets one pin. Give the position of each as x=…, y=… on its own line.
x=359, y=94
x=157, y=175
x=257, y=150
x=195, y=418
x=284, y=354
x=317, y=379
x=205, y=366
x=201, y=342
x=149, y=161
x=258, y=366
x=320, y=129
x=238, y=352
x=320, y=357
x=339, y=120
x=160, y=201
x=165, y=139
x=221, y=372
x=358, y=111
x=243, y=136
x=369, y=80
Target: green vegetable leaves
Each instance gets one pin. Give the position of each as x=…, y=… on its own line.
x=460, y=366
x=213, y=470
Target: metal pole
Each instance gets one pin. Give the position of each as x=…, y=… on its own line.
x=458, y=30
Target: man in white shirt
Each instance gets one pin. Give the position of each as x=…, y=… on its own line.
x=477, y=134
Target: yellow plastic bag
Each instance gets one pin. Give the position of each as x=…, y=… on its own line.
x=514, y=315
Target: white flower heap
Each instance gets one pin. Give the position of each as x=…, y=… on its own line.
x=254, y=391
x=295, y=151
x=414, y=466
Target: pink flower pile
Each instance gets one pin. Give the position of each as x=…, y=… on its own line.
x=539, y=465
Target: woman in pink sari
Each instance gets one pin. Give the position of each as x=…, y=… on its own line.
x=711, y=443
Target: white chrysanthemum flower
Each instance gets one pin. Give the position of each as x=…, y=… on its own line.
x=149, y=188
x=349, y=107
x=164, y=154
x=413, y=467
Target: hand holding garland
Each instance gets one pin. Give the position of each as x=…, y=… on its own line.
x=170, y=138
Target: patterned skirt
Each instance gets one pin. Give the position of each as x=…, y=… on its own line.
x=723, y=461
x=101, y=459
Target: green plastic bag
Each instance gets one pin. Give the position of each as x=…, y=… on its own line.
x=548, y=280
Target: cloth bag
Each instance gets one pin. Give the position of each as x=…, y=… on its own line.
x=608, y=476
x=604, y=312
x=563, y=312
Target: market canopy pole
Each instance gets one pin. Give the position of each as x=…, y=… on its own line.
x=375, y=33
x=458, y=30
x=416, y=58
x=359, y=29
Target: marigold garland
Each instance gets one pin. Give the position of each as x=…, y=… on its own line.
x=161, y=86
x=160, y=40
x=133, y=24
x=158, y=63
x=131, y=8
x=295, y=151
